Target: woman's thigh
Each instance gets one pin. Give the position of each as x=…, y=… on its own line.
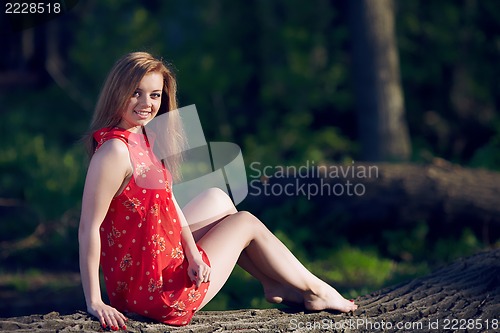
x=207, y=209
x=223, y=245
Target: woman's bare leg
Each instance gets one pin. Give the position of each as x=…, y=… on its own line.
x=243, y=231
x=207, y=210
x=293, y=283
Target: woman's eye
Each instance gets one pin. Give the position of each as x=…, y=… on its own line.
x=156, y=95
x=135, y=94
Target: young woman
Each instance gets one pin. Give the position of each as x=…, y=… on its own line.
x=159, y=260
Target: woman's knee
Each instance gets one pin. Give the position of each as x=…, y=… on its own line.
x=209, y=204
x=219, y=197
x=248, y=220
x=246, y=215
x=217, y=192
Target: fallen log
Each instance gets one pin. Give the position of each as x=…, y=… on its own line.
x=447, y=197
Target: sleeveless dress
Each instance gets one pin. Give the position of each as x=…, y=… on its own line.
x=142, y=257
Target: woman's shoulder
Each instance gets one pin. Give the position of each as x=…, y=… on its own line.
x=114, y=145
x=112, y=142
x=112, y=153
x=110, y=160
x=107, y=133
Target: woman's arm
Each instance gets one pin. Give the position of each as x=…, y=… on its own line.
x=198, y=270
x=108, y=169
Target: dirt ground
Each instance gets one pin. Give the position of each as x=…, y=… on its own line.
x=462, y=297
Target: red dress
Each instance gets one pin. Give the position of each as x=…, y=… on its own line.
x=142, y=258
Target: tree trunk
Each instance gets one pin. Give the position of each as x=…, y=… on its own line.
x=447, y=197
x=383, y=131
x=464, y=294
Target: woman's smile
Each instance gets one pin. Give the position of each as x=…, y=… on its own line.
x=142, y=114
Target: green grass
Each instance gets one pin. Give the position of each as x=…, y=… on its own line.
x=353, y=269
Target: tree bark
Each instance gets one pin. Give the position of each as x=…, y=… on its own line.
x=463, y=293
x=383, y=131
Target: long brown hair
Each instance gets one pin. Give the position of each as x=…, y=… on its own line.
x=122, y=80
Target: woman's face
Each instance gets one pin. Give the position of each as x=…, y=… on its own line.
x=144, y=103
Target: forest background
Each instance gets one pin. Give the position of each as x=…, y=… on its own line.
x=274, y=77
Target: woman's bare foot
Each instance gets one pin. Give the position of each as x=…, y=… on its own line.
x=326, y=297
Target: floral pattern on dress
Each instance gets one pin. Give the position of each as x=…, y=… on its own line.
x=179, y=307
x=159, y=245
x=177, y=253
x=193, y=295
x=111, y=240
x=132, y=204
x=155, y=285
x=113, y=235
x=159, y=242
x=141, y=169
x=121, y=287
x=155, y=210
x=126, y=262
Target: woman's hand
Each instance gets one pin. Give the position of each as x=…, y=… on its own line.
x=198, y=271
x=108, y=316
